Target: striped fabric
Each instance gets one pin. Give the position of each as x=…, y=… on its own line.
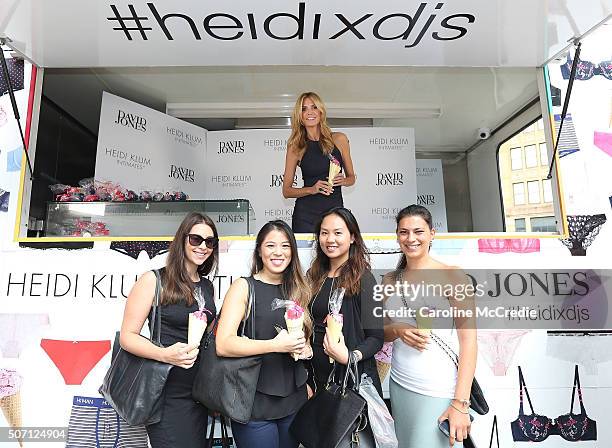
x=95, y=424
x=568, y=141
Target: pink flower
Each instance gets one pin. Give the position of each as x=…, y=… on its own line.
x=201, y=314
x=385, y=353
x=294, y=311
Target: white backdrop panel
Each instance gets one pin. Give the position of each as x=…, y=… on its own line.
x=430, y=187
x=250, y=164
x=143, y=149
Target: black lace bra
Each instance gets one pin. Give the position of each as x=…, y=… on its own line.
x=536, y=428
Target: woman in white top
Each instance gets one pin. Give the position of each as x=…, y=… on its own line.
x=426, y=386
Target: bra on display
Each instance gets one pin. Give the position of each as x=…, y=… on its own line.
x=536, y=428
x=586, y=69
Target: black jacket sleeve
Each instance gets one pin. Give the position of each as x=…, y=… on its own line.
x=373, y=327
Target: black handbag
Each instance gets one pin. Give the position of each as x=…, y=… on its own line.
x=336, y=417
x=477, y=399
x=228, y=385
x=133, y=386
x=225, y=440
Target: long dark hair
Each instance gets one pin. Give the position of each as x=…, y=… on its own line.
x=412, y=210
x=294, y=285
x=177, y=284
x=358, y=261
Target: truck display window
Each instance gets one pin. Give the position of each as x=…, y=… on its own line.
x=459, y=168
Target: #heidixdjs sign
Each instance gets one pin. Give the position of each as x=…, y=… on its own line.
x=409, y=26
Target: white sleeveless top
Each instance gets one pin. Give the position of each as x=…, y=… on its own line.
x=430, y=372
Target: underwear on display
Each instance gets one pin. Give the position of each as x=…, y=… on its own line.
x=536, y=428
x=4, y=200
x=585, y=70
x=66, y=245
x=15, y=70
x=501, y=245
x=603, y=140
x=75, y=359
x=95, y=424
x=582, y=232
x=448, y=247
x=3, y=116
x=19, y=330
x=498, y=348
x=568, y=141
x=13, y=159
x=133, y=248
x=584, y=348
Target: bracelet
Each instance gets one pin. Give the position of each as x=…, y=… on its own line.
x=465, y=403
x=458, y=410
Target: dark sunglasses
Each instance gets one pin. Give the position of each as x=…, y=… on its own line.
x=196, y=240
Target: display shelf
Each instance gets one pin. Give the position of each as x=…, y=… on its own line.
x=143, y=219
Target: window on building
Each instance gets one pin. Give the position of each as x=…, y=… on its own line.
x=523, y=163
x=543, y=224
x=543, y=154
x=533, y=191
x=519, y=193
x=531, y=158
x=547, y=187
x=516, y=158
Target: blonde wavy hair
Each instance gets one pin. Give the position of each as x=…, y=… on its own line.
x=297, y=140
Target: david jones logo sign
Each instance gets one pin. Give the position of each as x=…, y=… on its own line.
x=231, y=147
x=131, y=120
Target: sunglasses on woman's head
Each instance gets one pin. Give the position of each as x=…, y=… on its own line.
x=196, y=240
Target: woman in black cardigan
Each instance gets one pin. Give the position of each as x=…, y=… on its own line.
x=341, y=261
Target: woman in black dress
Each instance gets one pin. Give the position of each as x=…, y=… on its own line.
x=281, y=387
x=193, y=254
x=341, y=261
x=312, y=145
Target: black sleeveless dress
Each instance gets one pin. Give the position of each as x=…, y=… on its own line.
x=184, y=421
x=281, y=388
x=308, y=209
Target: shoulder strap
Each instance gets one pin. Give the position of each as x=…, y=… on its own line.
x=523, y=386
x=250, y=308
x=445, y=348
x=155, y=321
x=494, y=430
x=577, y=383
